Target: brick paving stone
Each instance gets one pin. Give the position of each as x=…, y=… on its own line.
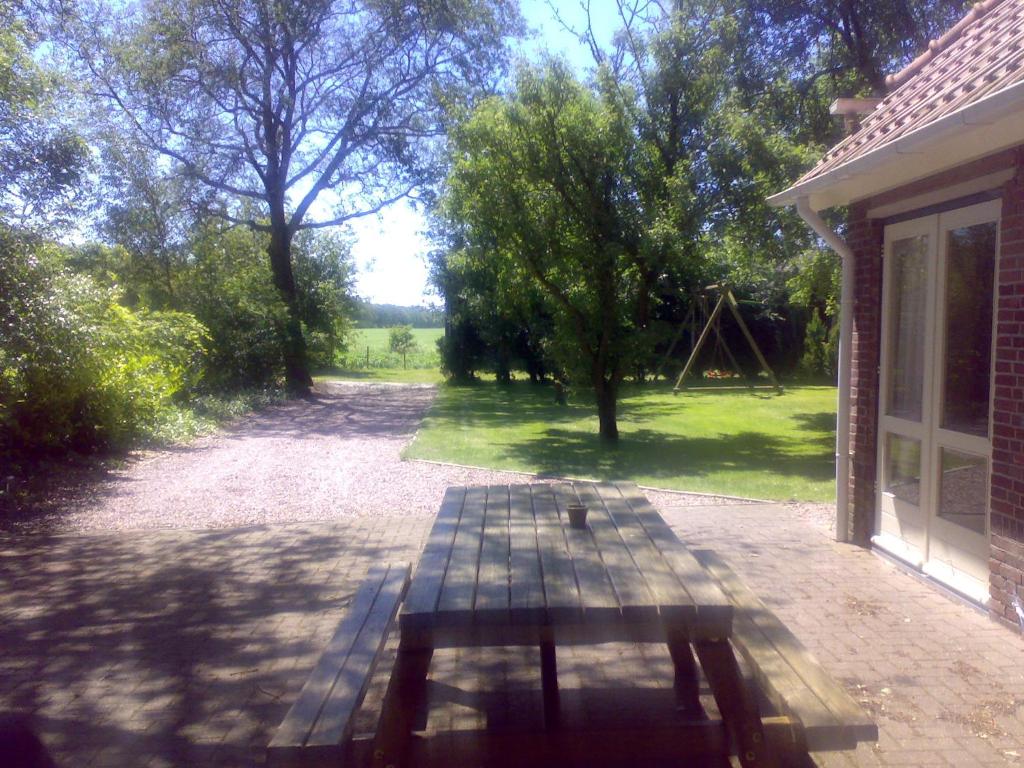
x=171, y=647
x=945, y=684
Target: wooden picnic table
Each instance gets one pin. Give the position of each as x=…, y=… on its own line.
x=503, y=567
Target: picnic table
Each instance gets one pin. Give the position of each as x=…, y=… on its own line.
x=502, y=567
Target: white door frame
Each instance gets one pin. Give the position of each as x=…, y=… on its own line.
x=944, y=550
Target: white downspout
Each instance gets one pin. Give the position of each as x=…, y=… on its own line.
x=815, y=222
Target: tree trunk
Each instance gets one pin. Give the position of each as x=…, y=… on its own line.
x=296, y=363
x=607, y=397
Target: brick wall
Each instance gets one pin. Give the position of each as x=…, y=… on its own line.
x=1007, y=563
x=864, y=236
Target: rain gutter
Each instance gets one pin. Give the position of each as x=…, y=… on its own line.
x=836, y=243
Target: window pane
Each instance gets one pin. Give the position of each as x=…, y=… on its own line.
x=908, y=294
x=963, y=496
x=970, y=270
x=903, y=468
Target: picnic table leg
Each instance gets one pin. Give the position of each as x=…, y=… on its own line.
x=549, y=685
x=405, y=694
x=687, y=682
x=737, y=704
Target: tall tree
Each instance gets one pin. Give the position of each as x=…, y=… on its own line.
x=303, y=114
x=556, y=183
x=853, y=43
x=42, y=161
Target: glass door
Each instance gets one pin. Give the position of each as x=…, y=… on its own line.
x=962, y=445
x=935, y=413
x=904, y=399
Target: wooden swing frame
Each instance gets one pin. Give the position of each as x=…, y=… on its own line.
x=725, y=298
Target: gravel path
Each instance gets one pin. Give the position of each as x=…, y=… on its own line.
x=334, y=455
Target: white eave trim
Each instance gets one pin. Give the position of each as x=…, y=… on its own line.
x=994, y=122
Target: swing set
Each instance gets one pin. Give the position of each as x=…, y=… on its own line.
x=712, y=324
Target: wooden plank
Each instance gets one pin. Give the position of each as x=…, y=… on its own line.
x=687, y=679
x=714, y=611
x=597, y=597
x=492, y=582
x=627, y=580
x=737, y=704
x=790, y=675
x=425, y=590
x=783, y=688
x=526, y=589
x=561, y=593
x=549, y=686
x=403, y=700
x=750, y=339
x=303, y=713
x=609, y=629
x=687, y=743
x=334, y=725
x=455, y=605
x=674, y=603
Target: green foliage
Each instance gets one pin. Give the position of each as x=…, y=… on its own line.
x=203, y=413
x=42, y=161
x=555, y=188
x=231, y=293
x=850, y=43
x=400, y=339
x=238, y=99
x=815, y=360
x=324, y=284
x=77, y=369
x=494, y=324
x=815, y=282
x=368, y=315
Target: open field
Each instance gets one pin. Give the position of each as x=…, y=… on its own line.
x=369, y=358
x=735, y=442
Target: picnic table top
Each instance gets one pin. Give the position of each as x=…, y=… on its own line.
x=502, y=564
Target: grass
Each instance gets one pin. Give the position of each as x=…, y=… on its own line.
x=369, y=358
x=735, y=442
x=368, y=348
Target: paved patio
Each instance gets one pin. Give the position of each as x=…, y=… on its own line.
x=173, y=647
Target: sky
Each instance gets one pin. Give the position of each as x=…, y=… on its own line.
x=390, y=249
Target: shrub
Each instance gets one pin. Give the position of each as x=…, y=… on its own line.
x=77, y=369
x=228, y=287
x=816, y=358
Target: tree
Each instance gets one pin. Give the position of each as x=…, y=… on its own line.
x=492, y=323
x=42, y=161
x=324, y=276
x=556, y=184
x=856, y=42
x=401, y=341
x=275, y=104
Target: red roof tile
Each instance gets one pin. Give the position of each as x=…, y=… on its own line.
x=981, y=55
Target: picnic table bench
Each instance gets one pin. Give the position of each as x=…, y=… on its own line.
x=503, y=568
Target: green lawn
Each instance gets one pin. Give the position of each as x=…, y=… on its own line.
x=369, y=358
x=735, y=442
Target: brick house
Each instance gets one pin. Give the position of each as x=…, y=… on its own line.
x=930, y=448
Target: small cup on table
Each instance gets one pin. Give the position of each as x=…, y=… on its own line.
x=577, y=516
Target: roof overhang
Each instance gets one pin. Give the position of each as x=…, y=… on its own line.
x=990, y=125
